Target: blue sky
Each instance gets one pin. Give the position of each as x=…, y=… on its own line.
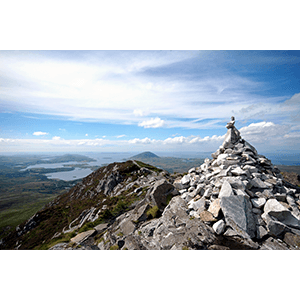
x=147, y=100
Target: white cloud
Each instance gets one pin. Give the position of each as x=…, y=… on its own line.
x=40, y=133
x=152, y=123
x=263, y=132
x=269, y=136
x=178, y=140
x=56, y=138
x=120, y=136
x=262, y=135
x=142, y=141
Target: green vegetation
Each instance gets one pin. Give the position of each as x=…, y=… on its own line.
x=114, y=247
x=68, y=206
x=23, y=193
x=294, y=169
x=152, y=212
x=144, y=165
x=64, y=238
x=22, y=196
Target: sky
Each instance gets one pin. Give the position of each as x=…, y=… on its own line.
x=103, y=101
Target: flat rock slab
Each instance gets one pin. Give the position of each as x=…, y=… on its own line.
x=256, y=182
x=79, y=238
x=101, y=227
x=281, y=213
x=238, y=215
x=206, y=216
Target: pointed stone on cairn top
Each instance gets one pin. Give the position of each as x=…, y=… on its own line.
x=232, y=136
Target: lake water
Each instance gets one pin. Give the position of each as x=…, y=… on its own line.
x=51, y=166
x=78, y=173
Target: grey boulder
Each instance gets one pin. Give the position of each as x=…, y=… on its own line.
x=238, y=212
x=281, y=213
x=160, y=192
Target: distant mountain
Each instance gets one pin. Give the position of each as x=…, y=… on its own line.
x=144, y=155
x=170, y=164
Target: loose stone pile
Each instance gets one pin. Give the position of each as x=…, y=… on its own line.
x=240, y=193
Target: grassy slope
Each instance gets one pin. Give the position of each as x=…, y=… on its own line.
x=67, y=207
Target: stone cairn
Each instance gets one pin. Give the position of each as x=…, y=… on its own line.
x=240, y=193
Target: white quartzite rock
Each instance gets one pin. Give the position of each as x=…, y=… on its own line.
x=258, y=202
x=219, y=227
x=185, y=180
x=226, y=190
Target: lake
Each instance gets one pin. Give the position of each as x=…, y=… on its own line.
x=51, y=166
x=78, y=173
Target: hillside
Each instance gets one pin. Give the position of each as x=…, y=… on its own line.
x=23, y=191
x=236, y=200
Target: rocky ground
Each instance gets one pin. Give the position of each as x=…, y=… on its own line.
x=236, y=200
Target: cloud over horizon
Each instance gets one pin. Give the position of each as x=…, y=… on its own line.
x=259, y=134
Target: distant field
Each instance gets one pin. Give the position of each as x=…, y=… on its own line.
x=173, y=164
x=23, y=193
x=21, y=212
x=295, y=169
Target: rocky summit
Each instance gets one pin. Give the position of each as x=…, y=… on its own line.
x=236, y=200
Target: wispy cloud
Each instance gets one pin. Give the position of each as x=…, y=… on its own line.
x=124, y=87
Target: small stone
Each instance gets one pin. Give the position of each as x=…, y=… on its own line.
x=258, y=202
x=238, y=171
x=219, y=227
x=261, y=232
x=79, y=238
x=185, y=180
x=215, y=208
x=207, y=192
x=206, y=216
x=197, y=204
x=226, y=190
x=256, y=182
x=192, y=170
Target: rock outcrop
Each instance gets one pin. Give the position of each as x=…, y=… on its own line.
x=236, y=200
